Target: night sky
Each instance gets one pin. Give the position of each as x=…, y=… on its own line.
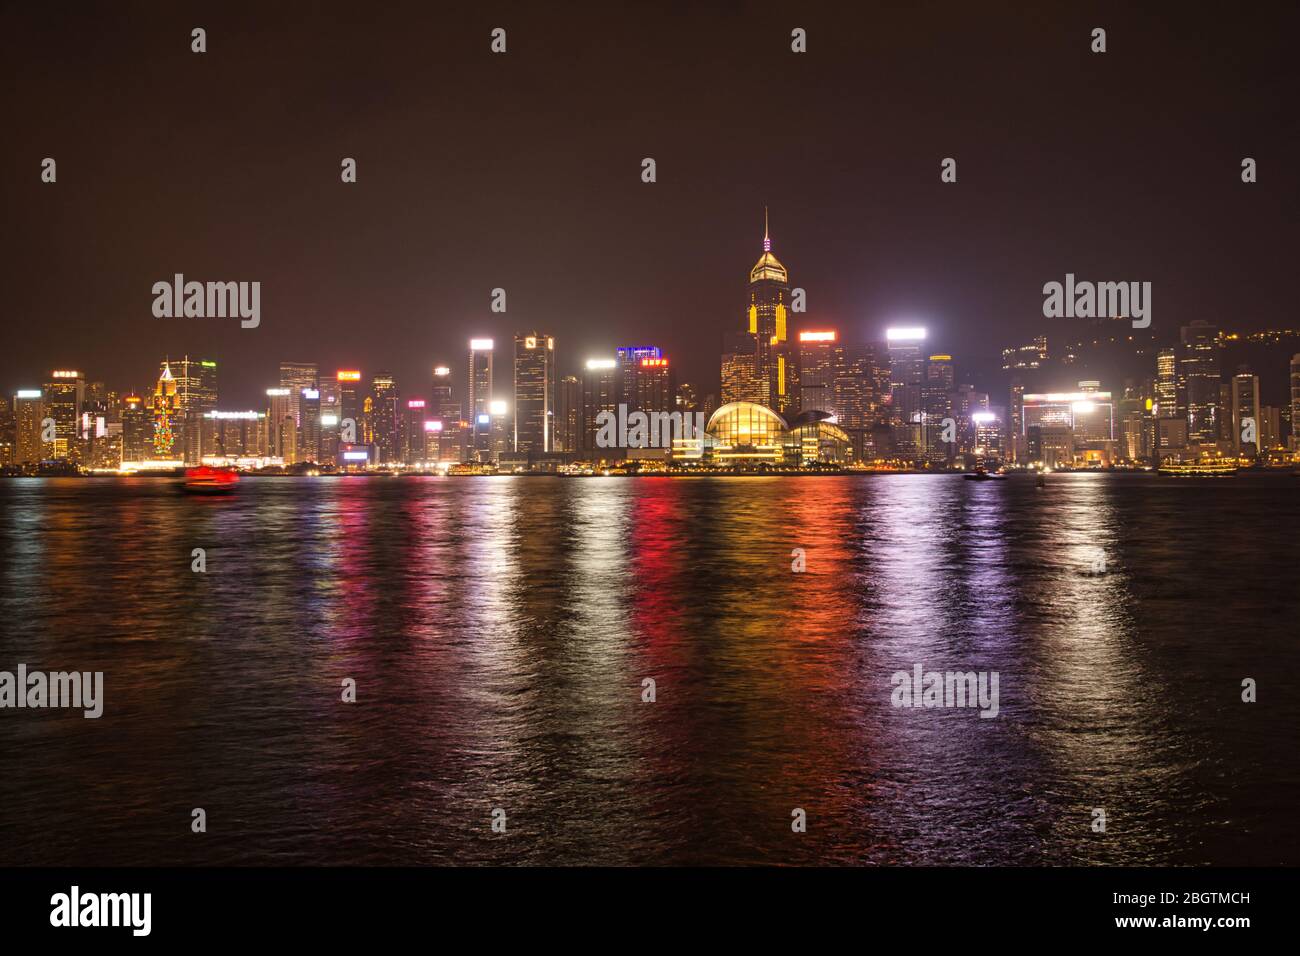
x=523, y=171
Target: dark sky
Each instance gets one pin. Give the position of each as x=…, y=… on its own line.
x=523, y=171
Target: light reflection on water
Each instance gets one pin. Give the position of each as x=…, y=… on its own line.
x=499, y=632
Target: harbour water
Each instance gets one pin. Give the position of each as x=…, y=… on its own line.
x=500, y=633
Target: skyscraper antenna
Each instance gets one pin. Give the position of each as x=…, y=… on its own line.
x=767, y=242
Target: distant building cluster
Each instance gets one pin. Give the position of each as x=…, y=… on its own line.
x=790, y=399
x=1176, y=405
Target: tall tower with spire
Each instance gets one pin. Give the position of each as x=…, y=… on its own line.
x=768, y=318
x=166, y=410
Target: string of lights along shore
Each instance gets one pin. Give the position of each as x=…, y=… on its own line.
x=793, y=394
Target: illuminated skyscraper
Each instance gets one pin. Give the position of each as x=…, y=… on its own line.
x=196, y=383
x=331, y=392
x=767, y=320
x=414, y=439
x=1295, y=402
x=444, y=404
x=1245, y=413
x=1016, y=450
x=329, y=399
x=196, y=395
x=741, y=381
x=628, y=359
x=309, y=431
x=449, y=435
x=819, y=359
x=966, y=404
x=281, y=429
x=854, y=398
x=1135, y=423
x=1225, y=414
x=296, y=376
x=1200, y=375
x=64, y=394
x=568, y=415
x=480, y=395
x=166, y=414
x=349, y=403
x=599, y=394
x=501, y=435
x=137, y=429
x=937, y=405
x=534, y=406
x=330, y=421
x=987, y=439
x=906, y=373
x=386, y=418
x=433, y=449
x=655, y=388
x=1169, y=398
x=29, y=411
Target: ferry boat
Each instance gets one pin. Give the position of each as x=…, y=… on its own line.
x=982, y=474
x=210, y=481
x=1205, y=469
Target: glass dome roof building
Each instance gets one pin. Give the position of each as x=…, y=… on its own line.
x=746, y=430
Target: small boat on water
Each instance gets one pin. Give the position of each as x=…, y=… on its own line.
x=983, y=474
x=210, y=481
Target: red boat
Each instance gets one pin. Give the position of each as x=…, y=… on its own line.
x=210, y=481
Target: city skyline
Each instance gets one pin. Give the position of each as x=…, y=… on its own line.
x=980, y=363
x=896, y=399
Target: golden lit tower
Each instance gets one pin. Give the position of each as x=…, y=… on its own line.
x=769, y=303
